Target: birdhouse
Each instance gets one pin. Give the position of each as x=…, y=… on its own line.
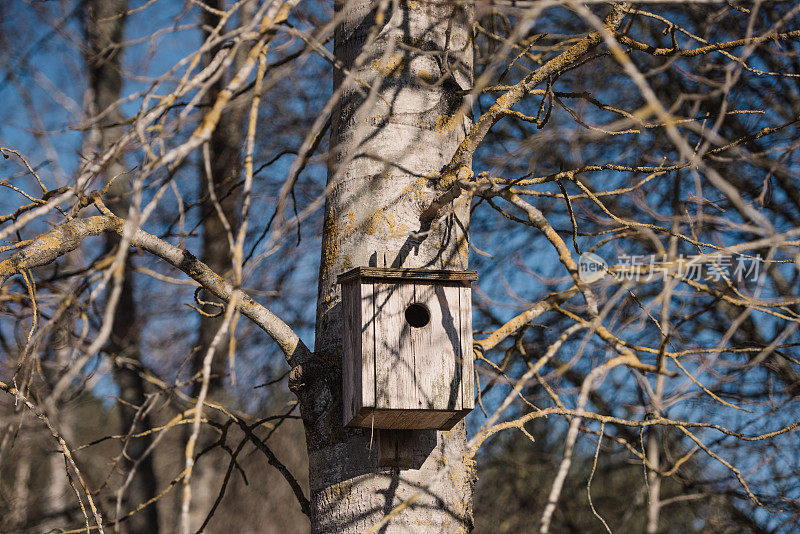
x=407, y=347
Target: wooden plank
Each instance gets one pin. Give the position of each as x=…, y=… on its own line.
x=408, y=274
x=412, y=419
x=453, y=420
x=350, y=388
x=394, y=364
x=379, y=418
x=449, y=295
x=436, y=348
x=420, y=339
x=467, y=361
x=407, y=449
x=366, y=334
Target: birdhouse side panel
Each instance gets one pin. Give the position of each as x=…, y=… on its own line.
x=395, y=386
x=367, y=374
x=351, y=352
x=358, y=349
x=436, y=348
x=467, y=357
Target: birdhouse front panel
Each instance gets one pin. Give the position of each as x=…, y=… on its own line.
x=407, y=348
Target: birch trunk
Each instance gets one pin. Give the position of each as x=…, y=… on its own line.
x=399, y=121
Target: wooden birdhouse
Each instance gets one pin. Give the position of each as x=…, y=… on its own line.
x=407, y=347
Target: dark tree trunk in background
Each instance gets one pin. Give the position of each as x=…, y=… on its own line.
x=219, y=175
x=105, y=24
x=385, y=143
x=225, y=148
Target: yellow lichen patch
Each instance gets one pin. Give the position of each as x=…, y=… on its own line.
x=326, y=301
x=390, y=66
x=446, y=124
x=330, y=243
x=461, y=474
x=426, y=76
x=469, y=463
x=463, y=249
x=349, y=225
x=452, y=176
x=382, y=222
x=416, y=190
x=337, y=492
x=404, y=39
x=280, y=16
x=347, y=262
x=46, y=247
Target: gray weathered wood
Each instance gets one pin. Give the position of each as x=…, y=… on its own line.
x=467, y=358
x=397, y=419
x=404, y=448
x=358, y=351
x=394, y=362
x=396, y=376
x=351, y=349
x=367, y=358
x=452, y=324
x=406, y=274
x=437, y=348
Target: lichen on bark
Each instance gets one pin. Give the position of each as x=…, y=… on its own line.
x=387, y=145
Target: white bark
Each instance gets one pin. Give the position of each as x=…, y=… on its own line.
x=399, y=121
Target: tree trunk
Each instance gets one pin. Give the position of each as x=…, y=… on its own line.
x=104, y=27
x=22, y=482
x=399, y=121
x=225, y=164
x=219, y=183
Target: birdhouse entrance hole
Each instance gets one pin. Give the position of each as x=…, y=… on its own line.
x=418, y=315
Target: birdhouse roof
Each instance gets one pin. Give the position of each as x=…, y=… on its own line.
x=407, y=275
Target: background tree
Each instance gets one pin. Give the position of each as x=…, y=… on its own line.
x=105, y=25
x=652, y=386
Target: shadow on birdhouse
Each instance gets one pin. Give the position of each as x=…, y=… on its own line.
x=407, y=348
